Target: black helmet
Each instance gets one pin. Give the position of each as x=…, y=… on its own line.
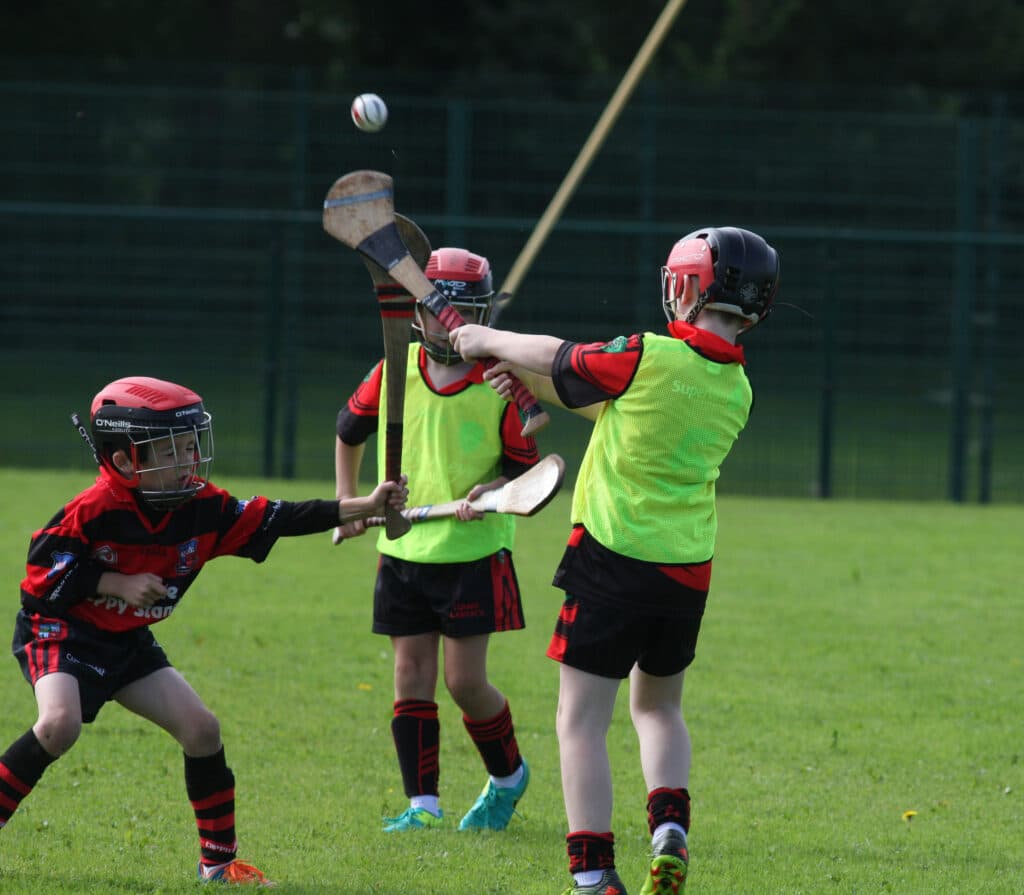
x=134, y=415
x=737, y=270
x=465, y=280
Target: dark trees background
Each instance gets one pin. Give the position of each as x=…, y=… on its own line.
x=934, y=44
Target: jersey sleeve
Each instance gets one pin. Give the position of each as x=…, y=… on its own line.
x=359, y=418
x=59, y=571
x=259, y=522
x=592, y=372
x=519, y=453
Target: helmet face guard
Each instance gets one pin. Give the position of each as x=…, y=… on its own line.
x=465, y=280
x=169, y=443
x=737, y=273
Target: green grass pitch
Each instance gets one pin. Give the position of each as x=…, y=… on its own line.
x=858, y=661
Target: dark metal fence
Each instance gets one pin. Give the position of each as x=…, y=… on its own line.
x=155, y=228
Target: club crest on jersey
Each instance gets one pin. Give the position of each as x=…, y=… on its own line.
x=105, y=554
x=188, y=553
x=616, y=346
x=49, y=630
x=61, y=561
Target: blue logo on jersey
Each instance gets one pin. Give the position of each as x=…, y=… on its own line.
x=240, y=507
x=188, y=553
x=61, y=561
x=48, y=630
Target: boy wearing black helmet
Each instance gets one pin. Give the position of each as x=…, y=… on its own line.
x=636, y=571
x=117, y=559
x=448, y=582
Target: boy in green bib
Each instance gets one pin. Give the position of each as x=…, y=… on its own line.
x=449, y=583
x=636, y=571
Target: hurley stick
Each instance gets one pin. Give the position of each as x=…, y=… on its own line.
x=396, y=312
x=525, y=495
x=359, y=211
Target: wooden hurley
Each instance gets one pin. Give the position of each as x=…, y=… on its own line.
x=523, y=496
x=359, y=211
x=396, y=307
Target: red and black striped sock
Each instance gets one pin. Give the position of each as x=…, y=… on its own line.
x=590, y=851
x=668, y=806
x=417, y=734
x=21, y=766
x=211, y=790
x=495, y=740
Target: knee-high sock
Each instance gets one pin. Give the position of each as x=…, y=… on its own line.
x=21, y=766
x=211, y=790
x=495, y=740
x=417, y=733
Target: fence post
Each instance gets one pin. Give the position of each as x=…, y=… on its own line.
x=829, y=311
x=295, y=239
x=272, y=359
x=962, y=317
x=988, y=314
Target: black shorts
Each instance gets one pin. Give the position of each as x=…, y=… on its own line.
x=621, y=611
x=460, y=599
x=103, y=662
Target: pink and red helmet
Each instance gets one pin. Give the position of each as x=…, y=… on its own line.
x=737, y=272
x=465, y=280
x=133, y=414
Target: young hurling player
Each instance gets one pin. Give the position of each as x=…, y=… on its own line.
x=637, y=568
x=117, y=559
x=450, y=583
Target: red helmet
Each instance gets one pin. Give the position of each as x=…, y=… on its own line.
x=134, y=413
x=465, y=280
x=737, y=272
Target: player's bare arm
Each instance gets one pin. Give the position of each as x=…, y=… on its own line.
x=348, y=459
x=141, y=591
x=386, y=494
x=532, y=352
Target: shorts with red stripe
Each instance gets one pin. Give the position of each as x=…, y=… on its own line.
x=461, y=599
x=103, y=662
x=621, y=611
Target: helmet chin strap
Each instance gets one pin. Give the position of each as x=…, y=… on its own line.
x=694, y=312
x=690, y=285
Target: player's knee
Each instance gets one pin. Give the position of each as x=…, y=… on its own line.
x=467, y=690
x=412, y=675
x=201, y=736
x=58, y=729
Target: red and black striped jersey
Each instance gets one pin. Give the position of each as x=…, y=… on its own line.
x=107, y=529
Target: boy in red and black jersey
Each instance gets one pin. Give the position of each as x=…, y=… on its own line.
x=118, y=558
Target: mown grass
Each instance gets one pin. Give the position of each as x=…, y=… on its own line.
x=858, y=661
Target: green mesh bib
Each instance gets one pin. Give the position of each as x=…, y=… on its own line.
x=646, y=487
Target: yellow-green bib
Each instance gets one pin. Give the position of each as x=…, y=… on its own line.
x=450, y=444
x=646, y=487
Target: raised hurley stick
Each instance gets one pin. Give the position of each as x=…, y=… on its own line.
x=523, y=496
x=359, y=211
x=396, y=311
